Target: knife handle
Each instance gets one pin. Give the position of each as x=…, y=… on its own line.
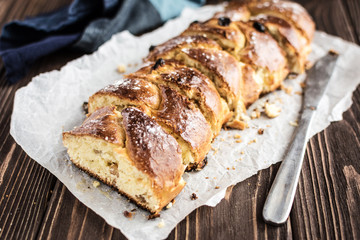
x=281, y=196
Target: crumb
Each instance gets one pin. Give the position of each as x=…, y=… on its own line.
x=292, y=75
x=237, y=136
x=312, y=108
x=170, y=204
x=34, y=203
x=308, y=65
x=238, y=141
x=133, y=210
x=128, y=214
x=161, y=224
x=193, y=196
x=121, y=68
x=96, y=184
x=333, y=52
x=255, y=114
x=302, y=84
x=215, y=150
x=233, y=168
x=261, y=131
x=228, y=168
x=298, y=93
x=271, y=110
x=238, y=124
x=214, y=177
x=242, y=152
x=129, y=65
x=222, y=139
x=253, y=141
x=206, y=177
x=152, y=216
x=295, y=124
x=287, y=90
x=249, y=184
x=217, y=187
x=268, y=125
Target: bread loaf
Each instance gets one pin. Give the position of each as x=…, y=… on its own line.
x=144, y=131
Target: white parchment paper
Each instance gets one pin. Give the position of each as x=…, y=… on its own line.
x=52, y=103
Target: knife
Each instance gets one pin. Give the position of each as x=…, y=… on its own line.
x=281, y=196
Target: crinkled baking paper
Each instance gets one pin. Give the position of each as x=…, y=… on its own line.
x=52, y=102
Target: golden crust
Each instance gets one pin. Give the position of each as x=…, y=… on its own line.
x=261, y=49
x=185, y=120
x=101, y=124
x=132, y=91
x=289, y=39
x=290, y=11
x=235, y=11
x=152, y=150
x=221, y=64
x=191, y=83
x=263, y=53
x=251, y=89
x=177, y=43
x=228, y=36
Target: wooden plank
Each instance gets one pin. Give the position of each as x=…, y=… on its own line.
x=237, y=216
x=24, y=185
x=68, y=218
x=321, y=209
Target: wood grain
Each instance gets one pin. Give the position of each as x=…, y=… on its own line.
x=35, y=205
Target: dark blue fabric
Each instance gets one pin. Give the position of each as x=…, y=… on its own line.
x=134, y=15
x=84, y=24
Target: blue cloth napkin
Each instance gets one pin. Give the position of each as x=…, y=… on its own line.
x=84, y=25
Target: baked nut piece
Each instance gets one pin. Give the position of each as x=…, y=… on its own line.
x=222, y=30
x=174, y=112
x=130, y=152
x=171, y=47
x=263, y=54
x=289, y=39
x=191, y=83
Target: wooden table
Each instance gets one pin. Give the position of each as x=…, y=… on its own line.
x=34, y=204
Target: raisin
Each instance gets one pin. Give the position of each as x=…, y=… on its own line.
x=224, y=21
x=152, y=47
x=193, y=196
x=152, y=216
x=85, y=107
x=258, y=26
x=128, y=214
x=158, y=63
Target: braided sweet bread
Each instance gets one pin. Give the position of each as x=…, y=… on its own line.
x=145, y=130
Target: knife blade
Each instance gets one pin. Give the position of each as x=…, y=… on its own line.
x=278, y=204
